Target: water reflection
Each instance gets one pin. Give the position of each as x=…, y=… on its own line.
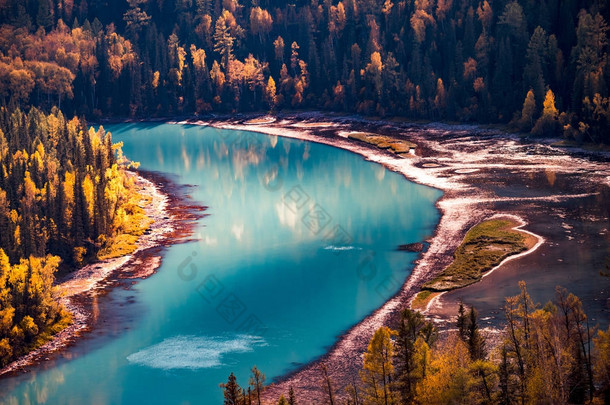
x=299, y=246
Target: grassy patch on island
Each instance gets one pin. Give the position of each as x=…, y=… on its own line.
x=384, y=142
x=260, y=120
x=421, y=300
x=484, y=247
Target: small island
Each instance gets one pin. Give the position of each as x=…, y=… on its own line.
x=484, y=247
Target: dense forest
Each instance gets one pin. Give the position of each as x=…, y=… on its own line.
x=540, y=65
x=65, y=196
x=546, y=355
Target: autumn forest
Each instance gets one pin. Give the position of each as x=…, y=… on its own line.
x=539, y=65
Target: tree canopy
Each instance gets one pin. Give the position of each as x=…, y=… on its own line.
x=65, y=197
x=466, y=60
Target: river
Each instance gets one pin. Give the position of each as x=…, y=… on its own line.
x=299, y=245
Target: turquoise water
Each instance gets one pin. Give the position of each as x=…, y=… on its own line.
x=298, y=247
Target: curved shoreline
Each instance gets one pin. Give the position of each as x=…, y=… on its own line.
x=460, y=196
x=435, y=302
x=352, y=343
x=81, y=286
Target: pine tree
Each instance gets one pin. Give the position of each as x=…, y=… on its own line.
x=462, y=321
x=257, y=381
x=411, y=328
x=474, y=339
x=231, y=391
x=527, y=113
x=44, y=17
x=547, y=124
x=378, y=368
x=223, y=41
x=536, y=57
x=292, y=400
x=506, y=391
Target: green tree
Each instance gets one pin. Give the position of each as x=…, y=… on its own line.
x=462, y=321
x=536, y=57
x=134, y=17
x=474, y=339
x=589, y=56
x=223, y=41
x=507, y=387
x=44, y=17
x=412, y=327
x=512, y=22
x=292, y=399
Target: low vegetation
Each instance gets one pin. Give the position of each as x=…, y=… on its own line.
x=422, y=299
x=483, y=248
x=260, y=120
x=397, y=146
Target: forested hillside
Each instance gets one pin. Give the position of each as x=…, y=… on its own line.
x=539, y=64
x=62, y=190
x=65, y=197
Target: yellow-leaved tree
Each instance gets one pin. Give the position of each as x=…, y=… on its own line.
x=602, y=364
x=29, y=313
x=377, y=370
x=527, y=112
x=547, y=124
x=448, y=378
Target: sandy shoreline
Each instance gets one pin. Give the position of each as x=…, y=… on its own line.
x=81, y=286
x=343, y=359
x=436, y=165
